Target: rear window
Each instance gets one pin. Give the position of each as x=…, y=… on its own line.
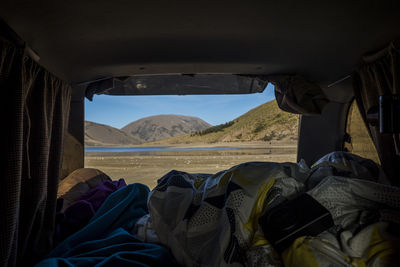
x=359, y=141
x=143, y=151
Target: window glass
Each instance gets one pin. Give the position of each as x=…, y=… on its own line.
x=359, y=141
x=153, y=141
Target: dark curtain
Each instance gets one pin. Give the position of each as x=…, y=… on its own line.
x=297, y=95
x=35, y=113
x=380, y=75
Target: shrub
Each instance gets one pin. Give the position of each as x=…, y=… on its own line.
x=214, y=129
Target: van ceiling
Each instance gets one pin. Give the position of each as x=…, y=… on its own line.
x=86, y=40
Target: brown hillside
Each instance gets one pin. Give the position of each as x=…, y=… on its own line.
x=266, y=122
x=164, y=126
x=97, y=134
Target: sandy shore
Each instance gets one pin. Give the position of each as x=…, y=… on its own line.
x=148, y=167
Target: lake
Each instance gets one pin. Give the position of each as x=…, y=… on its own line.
x=153, y=148
x=147, y=164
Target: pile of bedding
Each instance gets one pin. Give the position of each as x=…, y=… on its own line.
x=213, y=219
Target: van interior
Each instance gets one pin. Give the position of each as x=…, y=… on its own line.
x=324, y=60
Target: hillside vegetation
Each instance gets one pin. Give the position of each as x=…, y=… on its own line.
x=266, y=122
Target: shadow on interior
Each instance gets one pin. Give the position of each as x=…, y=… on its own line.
x=325, y=59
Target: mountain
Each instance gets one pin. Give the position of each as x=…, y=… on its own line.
x=266, y=122
x=97, y=134
x=164, y=126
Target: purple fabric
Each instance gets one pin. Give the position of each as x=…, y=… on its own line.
x=80, y=212
x=98, y=194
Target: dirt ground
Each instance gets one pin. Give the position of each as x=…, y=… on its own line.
x=148, y=167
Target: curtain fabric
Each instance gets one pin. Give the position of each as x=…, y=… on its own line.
x=35, y=113
x=295, y=94
x=380, y=75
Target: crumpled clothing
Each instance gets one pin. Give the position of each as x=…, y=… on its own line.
x=376, y=245
x=106, y=240
x=212, y=220
x=77, y=215
x=119, y=248
x=144, y=230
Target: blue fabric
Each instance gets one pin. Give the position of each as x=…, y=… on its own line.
x=77, y=216
x=106, y=240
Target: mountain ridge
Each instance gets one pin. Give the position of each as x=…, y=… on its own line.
x=146, y=129
x=164, y=126
x=97, y=134
x=266, y=122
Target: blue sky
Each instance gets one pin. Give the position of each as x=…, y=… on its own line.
x=118, y=111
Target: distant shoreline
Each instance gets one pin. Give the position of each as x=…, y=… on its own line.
x=256, y=144
x=153, y=149
x=148, y=166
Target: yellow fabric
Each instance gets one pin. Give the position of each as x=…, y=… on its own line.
x=259, y=240
x=252, y=223
x=198, y=182
x=299, y=254
x=238, y=175
x=379, y=247
x=223, y=181
x=357, y=262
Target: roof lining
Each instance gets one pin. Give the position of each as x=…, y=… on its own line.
x=87, y=40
